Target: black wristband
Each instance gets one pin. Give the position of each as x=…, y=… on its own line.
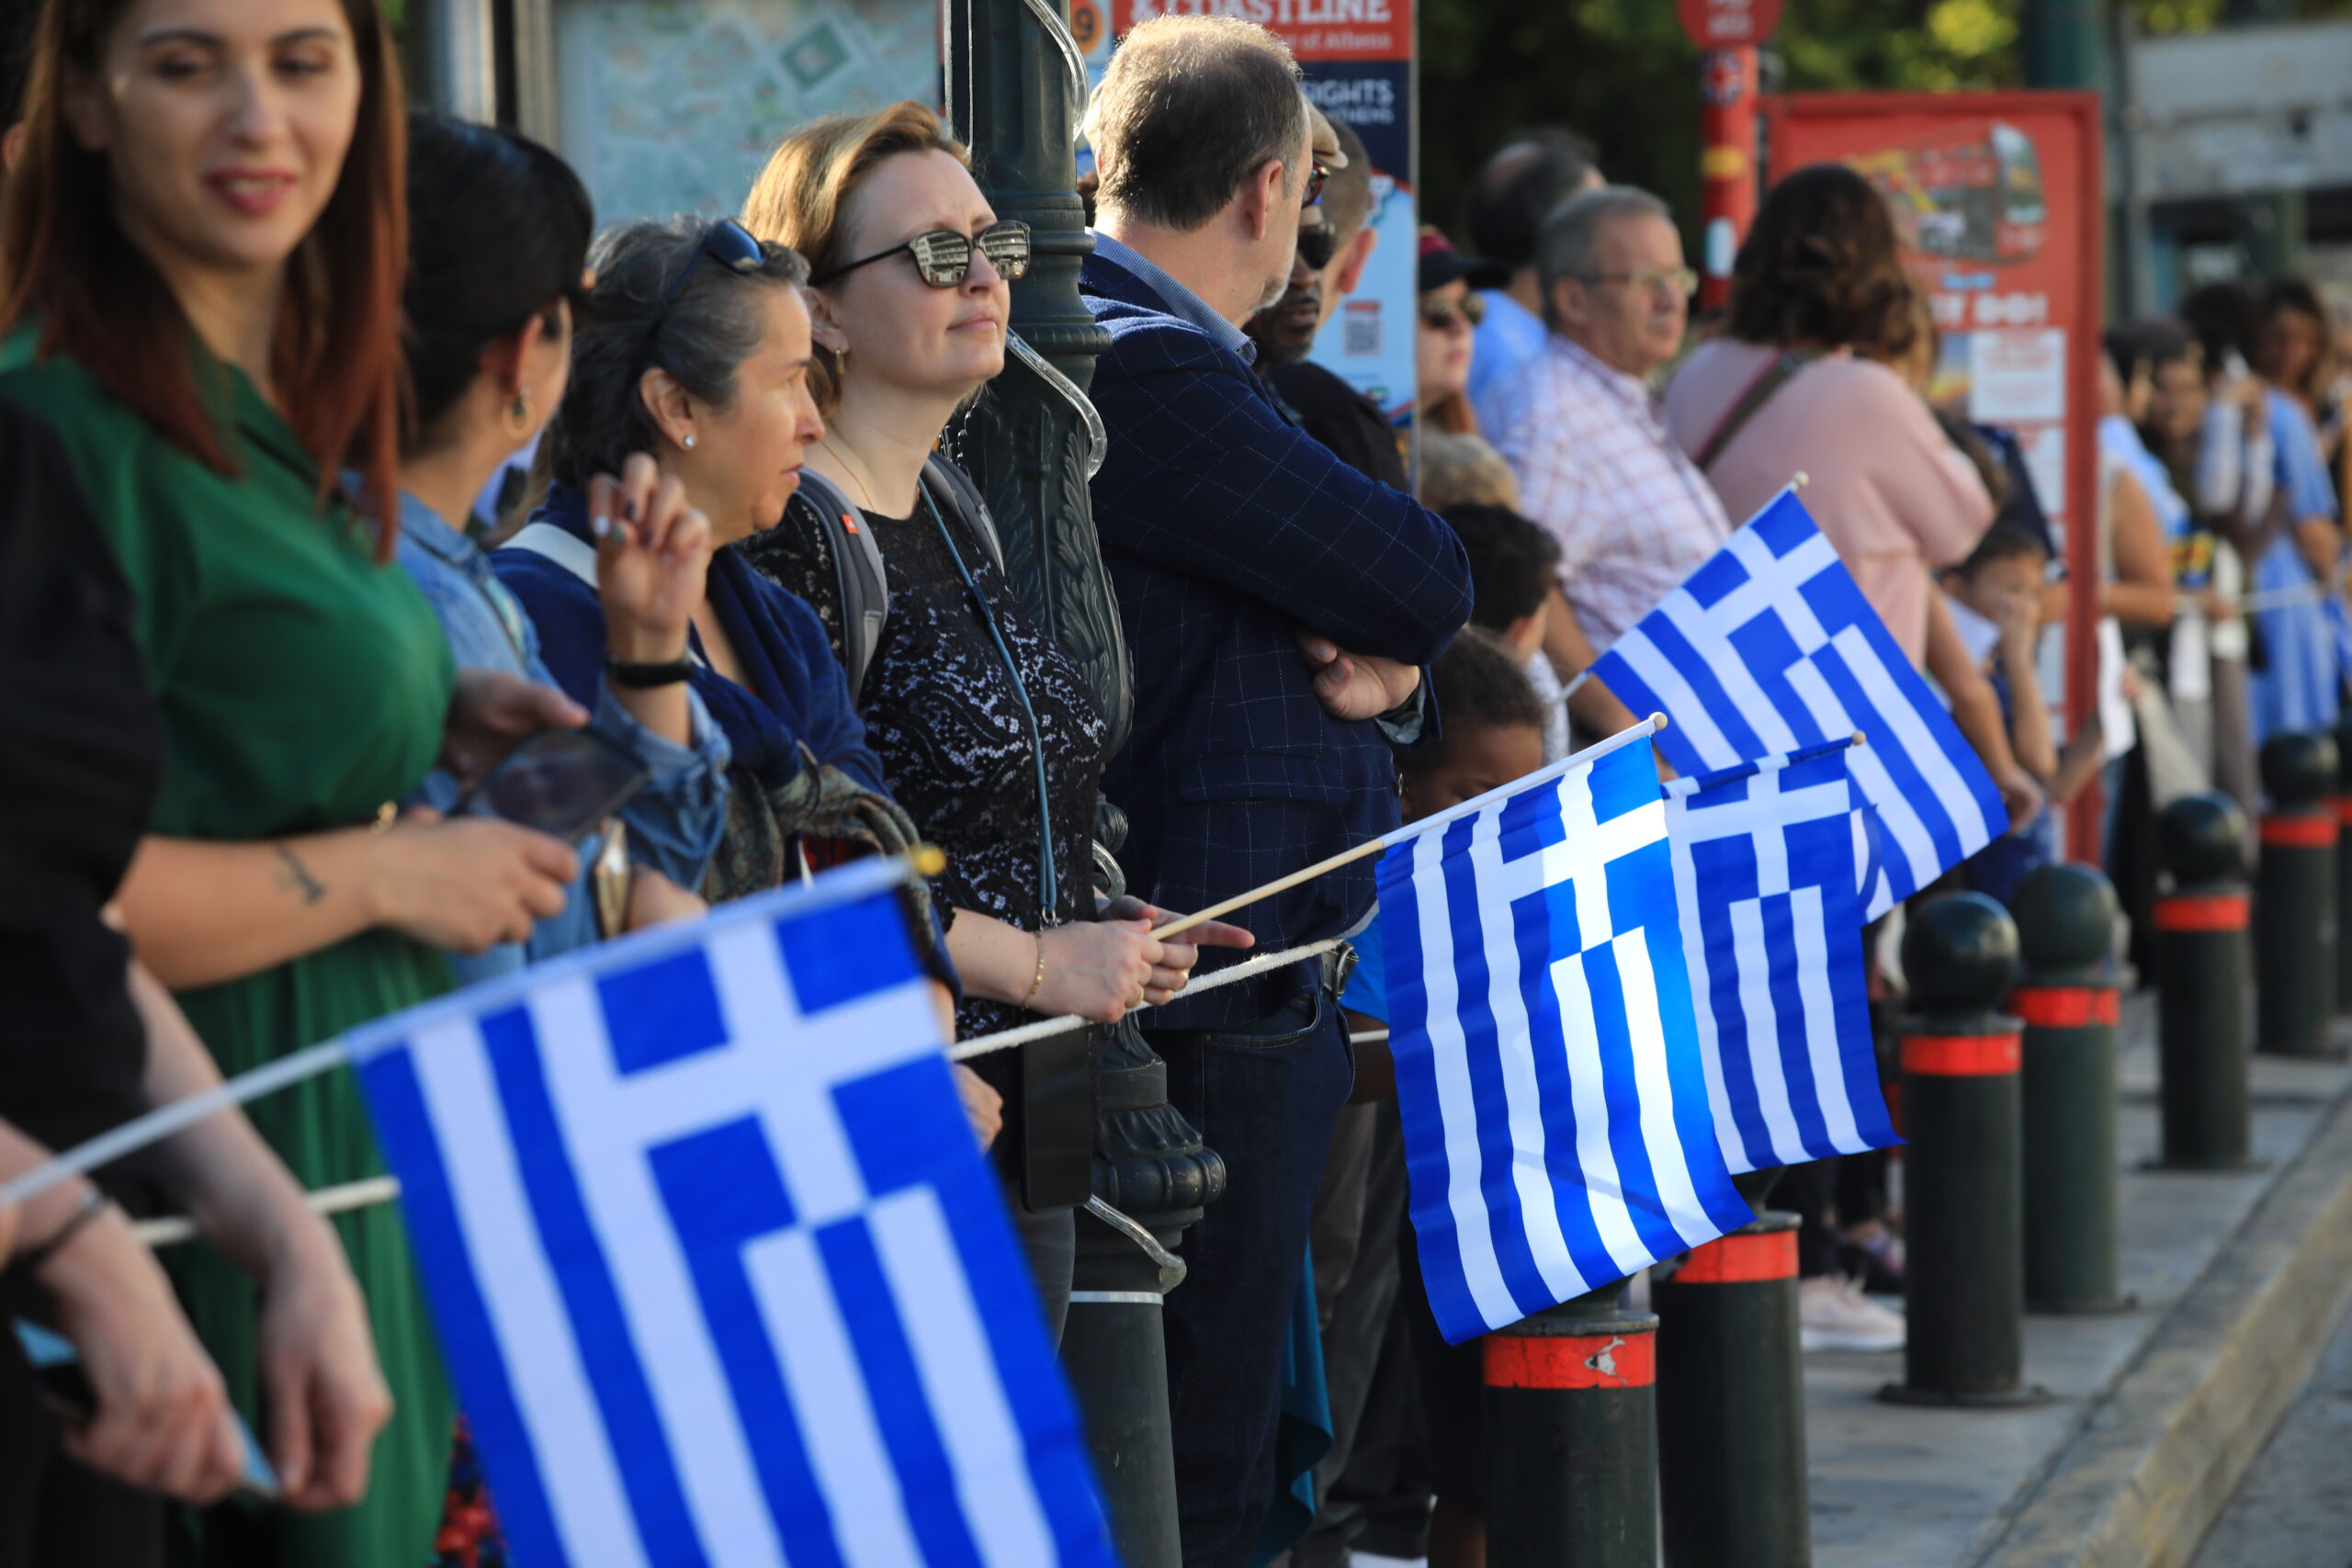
x=31, y=1261
x=638, y=676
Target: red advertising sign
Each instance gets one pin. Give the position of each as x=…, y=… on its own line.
x=1728, y=24
x=1998, y=199
x=1356, y=58
x=1315, y=29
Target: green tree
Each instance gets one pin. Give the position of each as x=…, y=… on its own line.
x=1622, y=73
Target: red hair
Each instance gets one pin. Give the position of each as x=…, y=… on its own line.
x=65, y=262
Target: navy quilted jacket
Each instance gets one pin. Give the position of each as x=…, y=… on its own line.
x=1226, y=528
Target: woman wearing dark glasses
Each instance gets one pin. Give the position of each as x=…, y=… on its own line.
x=986, y=732
x=1450, y=313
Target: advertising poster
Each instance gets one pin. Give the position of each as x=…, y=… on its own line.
x=673, y=106
x=1998, y=198
x=1358, y=59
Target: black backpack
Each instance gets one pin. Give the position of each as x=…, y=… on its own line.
x=859, y=576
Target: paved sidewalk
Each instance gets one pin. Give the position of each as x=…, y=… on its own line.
x=2077, y=1479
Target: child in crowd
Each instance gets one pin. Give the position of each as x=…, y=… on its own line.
x=1494, y=733
x=2001, y=583
x=1512, y=563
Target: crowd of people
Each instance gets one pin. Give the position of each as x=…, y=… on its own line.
x=275, y=347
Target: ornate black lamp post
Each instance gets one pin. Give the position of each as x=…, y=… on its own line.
x=1016, y=87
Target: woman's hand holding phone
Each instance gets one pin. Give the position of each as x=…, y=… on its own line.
x=652, y=561
x=467, y=884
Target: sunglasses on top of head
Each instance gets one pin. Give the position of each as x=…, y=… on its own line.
x=728, y=244
x=1316, y=176
x=943, y=258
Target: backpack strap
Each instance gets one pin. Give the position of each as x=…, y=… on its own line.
x=959, y=495
x=864, y=585
x=1769, y=380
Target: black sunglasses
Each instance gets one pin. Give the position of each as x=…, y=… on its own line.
x=943, y=257
x=1317, y=243
x=1439, y=315
x=1315, y=174
x=730, y=244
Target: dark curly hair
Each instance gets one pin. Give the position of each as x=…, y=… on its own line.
x=1822, y=265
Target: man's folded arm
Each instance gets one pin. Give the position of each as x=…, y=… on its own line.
x=1215, y=484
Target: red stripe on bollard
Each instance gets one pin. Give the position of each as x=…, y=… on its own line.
x=2344, y=810
x=2316, y=831
x=1961, y=1055
x=1739, y=1259
x=2065, y=1007
x=2208, y=912
x=1572, y=1360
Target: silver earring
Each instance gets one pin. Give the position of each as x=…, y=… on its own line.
x=689, y=442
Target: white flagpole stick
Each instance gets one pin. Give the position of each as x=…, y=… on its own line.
x=1641, y=731
x=172, y=1230
x=1186, y=922
x=165, y=1120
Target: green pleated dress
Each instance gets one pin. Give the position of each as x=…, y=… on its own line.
x=301, y=687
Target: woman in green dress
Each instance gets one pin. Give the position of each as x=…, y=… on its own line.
x=201, y=254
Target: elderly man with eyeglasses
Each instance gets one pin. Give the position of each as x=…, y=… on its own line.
x=1579, y=426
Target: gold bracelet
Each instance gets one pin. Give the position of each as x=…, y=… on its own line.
x=1038, y=982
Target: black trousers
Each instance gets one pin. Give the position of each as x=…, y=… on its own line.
x=54, y=1513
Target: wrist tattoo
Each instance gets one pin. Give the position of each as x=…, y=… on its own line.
x=295, y=877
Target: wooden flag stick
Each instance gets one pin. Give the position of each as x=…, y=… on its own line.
x=1186, y=922
x=1641, y=731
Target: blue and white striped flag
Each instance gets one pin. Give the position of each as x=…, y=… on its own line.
x=1769, y=647
x=720, y=1274
x=1554, y=1105
x=1769, y=860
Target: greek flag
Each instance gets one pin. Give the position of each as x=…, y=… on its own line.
x=1770, y=859
x=720, y=1274
x=1554, y=1104
x=1768, y=649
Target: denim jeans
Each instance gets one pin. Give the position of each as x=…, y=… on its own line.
x=1266, y=1098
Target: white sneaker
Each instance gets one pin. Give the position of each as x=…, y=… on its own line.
x=1833, y=1315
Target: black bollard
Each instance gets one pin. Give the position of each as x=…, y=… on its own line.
x=2342, y=805
x=1731, y=1403
x=2294, y=898
x=1572, y=1438
x=2065, y=920
x=1964, y=1283
x=2201, y=965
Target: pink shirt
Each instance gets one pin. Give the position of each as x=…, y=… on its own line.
x=1894, y=497
x=1632, y=516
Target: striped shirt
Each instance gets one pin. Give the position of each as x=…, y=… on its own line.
x=1633, y=515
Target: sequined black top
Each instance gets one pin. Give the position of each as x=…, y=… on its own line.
x=942, y=713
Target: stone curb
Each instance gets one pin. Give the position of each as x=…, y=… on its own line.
x=2160, y=1450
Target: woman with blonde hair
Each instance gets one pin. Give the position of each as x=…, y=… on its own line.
x=987, y=732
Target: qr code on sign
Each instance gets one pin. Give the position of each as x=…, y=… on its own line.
x=1361, y=331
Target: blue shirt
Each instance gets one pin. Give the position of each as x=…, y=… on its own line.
x=1367, y=987
x=2296, y=687
x=2118, y=436
x=1505, y=343
x=673, y=822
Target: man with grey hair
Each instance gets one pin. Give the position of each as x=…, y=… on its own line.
x=1278, y=607
x=1579, y=427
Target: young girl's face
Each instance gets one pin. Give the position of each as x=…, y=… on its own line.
x=2003, y=590
x=1473, y=758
